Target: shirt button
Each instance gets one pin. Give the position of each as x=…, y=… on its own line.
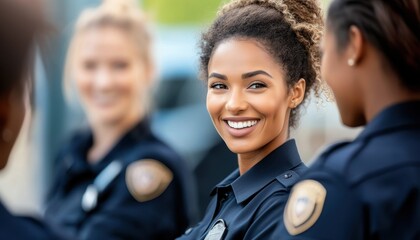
x=224, y=197
x=287, y=175
x=188, y=231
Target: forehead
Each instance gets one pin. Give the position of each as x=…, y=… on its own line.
x=242, y=55
x=105, y=41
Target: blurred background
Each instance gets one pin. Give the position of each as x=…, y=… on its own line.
x=179, y=117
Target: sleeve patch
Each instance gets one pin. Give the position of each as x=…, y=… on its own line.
x=147, y=179
x=304, y=206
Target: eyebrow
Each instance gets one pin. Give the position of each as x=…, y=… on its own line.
x=245, y=75
x=254, y=73
x=217, y=75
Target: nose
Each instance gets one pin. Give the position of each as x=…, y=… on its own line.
x=236, y=102
x=103, y=79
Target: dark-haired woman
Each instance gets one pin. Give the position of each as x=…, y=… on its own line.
x=368, y=188
x=21, y=22
x=259, y=60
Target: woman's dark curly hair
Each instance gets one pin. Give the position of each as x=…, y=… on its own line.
x=289, y=30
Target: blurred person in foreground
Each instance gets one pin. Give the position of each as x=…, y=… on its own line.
x=115, y=179
x=260, y=61
x=368, y=188
x=20, y=23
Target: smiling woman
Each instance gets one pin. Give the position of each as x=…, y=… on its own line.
x=259, y=60
x=250, y=103
x=116, y=179
x=111, y=78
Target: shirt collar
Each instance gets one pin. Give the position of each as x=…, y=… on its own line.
x=395, y=116
x=85, y=141
x=277, y=162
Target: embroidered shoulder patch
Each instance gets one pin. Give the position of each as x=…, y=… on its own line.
x=304, y=206
x=147, y=179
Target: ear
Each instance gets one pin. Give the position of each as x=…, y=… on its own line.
x=355, y=47
x=297, y=93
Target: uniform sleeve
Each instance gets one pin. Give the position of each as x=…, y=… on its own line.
x=322, y=206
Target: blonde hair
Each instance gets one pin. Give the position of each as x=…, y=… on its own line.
x=122, y=14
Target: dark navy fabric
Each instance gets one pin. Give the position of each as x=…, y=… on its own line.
x=251, y=204
x=372, y=183
x=118, y=215
x=23, y=228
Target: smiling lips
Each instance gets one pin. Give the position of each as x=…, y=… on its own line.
x=240, y=128
x=104, y=100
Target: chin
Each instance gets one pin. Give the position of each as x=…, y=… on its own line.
x=106, y=115
x=3, y=165
x=3, y=161
x=239, y=148
x=105, y=120
x=353, y=122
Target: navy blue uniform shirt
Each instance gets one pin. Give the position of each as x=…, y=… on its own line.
x=248, y=206
x=365, y=189
x=117, y=214
x=23, y=228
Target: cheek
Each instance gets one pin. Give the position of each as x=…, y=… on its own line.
x=130, y=86
x=334, y=76
x=276, y=111
x=82, y=82
x=214, y=104
x=134, y=81
x=272, y=105
x=20, y=102
x=327, y=69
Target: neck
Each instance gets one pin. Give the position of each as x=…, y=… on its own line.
x=394, y=97
x=104, y=138
x=381, y=95
x=380, y=86
x=248, y=160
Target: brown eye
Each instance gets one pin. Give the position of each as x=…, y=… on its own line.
x=218, y=86
x=257, y=85
x=120, y=65
x=89, y=65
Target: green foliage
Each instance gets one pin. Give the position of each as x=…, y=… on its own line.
x=182, y=11
x=185, y=12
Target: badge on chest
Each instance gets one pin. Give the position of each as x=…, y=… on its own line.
x=218, y=231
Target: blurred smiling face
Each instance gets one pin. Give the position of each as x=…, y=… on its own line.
x=110, y=76
x=247, y=97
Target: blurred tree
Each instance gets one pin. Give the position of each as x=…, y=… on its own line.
x=177, y=12
x=185, y=12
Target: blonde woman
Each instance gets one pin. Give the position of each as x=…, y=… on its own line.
x=116, y=180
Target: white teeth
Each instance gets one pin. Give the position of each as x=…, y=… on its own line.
x=244, y=124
